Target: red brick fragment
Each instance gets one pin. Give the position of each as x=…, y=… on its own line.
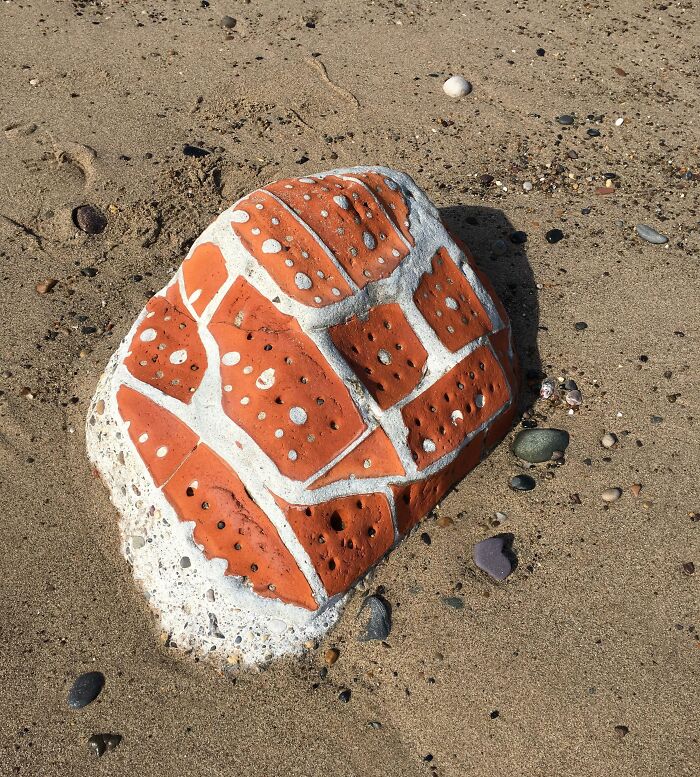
x=384, y=352
x=162, y=440
x=204, y=272
x=449, y=304
x=389, y=195
x=279, y=387
x=344, y=537
x=231, y=526
x=454, y=406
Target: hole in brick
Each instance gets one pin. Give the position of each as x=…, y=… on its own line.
x=205, y=505
x=189, y=491
x=337, y=522
x=370, y=336
x=221, y=525
x=331, y=565
x=371, y=532
x=320, y=401
x=279, y=401
x=334, y=425
x=253, y=567
x=237, y=546
x=350, y=545
x=268, y=347
x=307, y=512
x=359, y=504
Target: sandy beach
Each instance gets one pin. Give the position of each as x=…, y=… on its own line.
x=585, y=660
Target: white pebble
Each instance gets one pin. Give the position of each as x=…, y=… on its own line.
x=608, y=440
x=619, y=122
x=456, y=86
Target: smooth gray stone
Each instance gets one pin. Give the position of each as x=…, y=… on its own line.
x=522, y=483
x=536, y=445
x=85, y=689
x=650, y=235
x=378, y=615
x=492, y=556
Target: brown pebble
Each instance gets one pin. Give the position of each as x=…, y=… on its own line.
x=603, y=190
x=622, y=731
x=635, y=488
x=100, y=407
x=689, y=568
x=331, y=656
x=45, y=286
x=89, y=219
x=647, y=503
x=620, y=71
x=444, y=520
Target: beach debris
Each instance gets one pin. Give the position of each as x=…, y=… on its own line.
x=608, y=440
x=650, y=234
x=377, y=613
x=494, y=556
x=537, y=445
x=85, y=689
x=89, y=219
x=219, y=347
x=522, y=483
x=457, y=86
x=99, y=744
x=549, y=389
x=611, y=494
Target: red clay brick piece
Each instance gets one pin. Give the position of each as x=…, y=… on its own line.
x=347, y=218
x=449, y=304
x=167, y=352
x=454, y=406
x=204, y=273
x=162, y=440
x=390, y=198
x=384, y=352
x=344, y=537
x=230, y=525
x=279, y=387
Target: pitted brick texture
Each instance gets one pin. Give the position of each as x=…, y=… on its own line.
x=325, y=365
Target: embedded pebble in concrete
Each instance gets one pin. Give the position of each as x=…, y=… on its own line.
x=608, y=440
x=522, y=483
x=650, y=235
x=493, y=557
x=85, y=689
x=378, y=619
x=611, y=494
x=457, y=86
x=537, y=445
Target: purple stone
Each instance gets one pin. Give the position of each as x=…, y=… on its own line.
x=494, y=557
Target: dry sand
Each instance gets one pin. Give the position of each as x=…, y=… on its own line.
x=598, y=627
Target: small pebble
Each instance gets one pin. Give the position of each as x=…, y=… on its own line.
x=621, y=731
x=566, y=119
x=635, y=489
x=456, y=602
x=345, y=695
x=689, y=568
x=540, y=52
x=89, y=219
x=570, y=385
x=573, y=398
x=593, y=133
x=554, y=236
x=548, y=388
x=98, y=744
x=527, y=186
x=579, y=326
x=650, y=235
x=85, y=689
x=331, y=656
x=227, y=22
x=537, y=445
x=518, y=237
x=444, y=521
x=194, y=151
x=522, y=483
x=44, y=287
x=457, y=86
x=378, y=625
x=619, y=122
x=611, y=494
x=493, y=557
x=608, y=440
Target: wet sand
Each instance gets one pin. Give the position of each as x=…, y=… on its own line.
x=598, y=627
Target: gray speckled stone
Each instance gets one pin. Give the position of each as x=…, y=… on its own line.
x=492, y=556
x=650, y=235
x=536, y=445
x=378, y=615
x=85, y=689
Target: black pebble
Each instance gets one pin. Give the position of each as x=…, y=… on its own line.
x=570, y=385
x=540, y=52
x=554, y=235
x=565, y=119
x=344, y=696
x=88, y=272
x=426, y=538
x=522, y=483
x=376, y=612
x=579, y=326
x=194, y=151
x=89, y=219
x=593, y=133
x=85, y=689
x=518, y=237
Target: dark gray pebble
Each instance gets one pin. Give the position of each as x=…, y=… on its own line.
x=345, y=695
x=85, y=689
x=579, y=326
x=554, y=235
x=570, y=385
x=227, y=22
x=89, y=219
x=536, y=445
x=650, y=235
x=518, y=237
x=453, y=601
x=98, y=744
x=88, y=272
x=494, y=557
x=194, y=151
x=377, y=612
x=566, y=119
x=593, y=133
x=522, y=483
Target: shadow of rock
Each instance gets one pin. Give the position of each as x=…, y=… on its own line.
x=486, y=232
